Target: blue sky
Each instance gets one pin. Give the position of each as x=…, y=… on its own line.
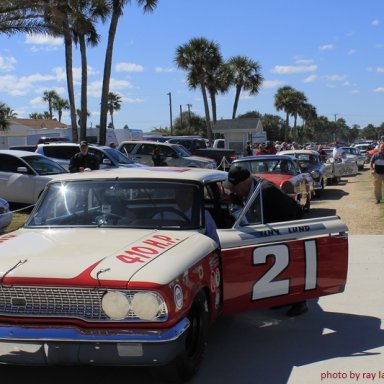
x=331, y=50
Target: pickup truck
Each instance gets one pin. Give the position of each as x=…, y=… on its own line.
x=198, y=147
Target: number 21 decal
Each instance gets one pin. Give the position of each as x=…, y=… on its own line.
x=266, y=286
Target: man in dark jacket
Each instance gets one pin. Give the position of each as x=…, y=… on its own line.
x=83, y=160
x=277, y=206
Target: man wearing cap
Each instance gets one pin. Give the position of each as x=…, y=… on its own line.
x=83, y=160
x=277, y=206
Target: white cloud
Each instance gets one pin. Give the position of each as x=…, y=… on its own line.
x=131, y=100
x=94, y=88
x=310, y=79
x=167, y=70
x=272, y=83
x=375, y=22
x=7, y=63
x=41, y=39
x=335, y=77
x=36, y=101
x=288, y=69
x=129, y=67
x=326, y=47
x=380, y=90
x=352, y=51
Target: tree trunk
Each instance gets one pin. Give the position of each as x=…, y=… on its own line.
x=107, y=77
x=84, y=82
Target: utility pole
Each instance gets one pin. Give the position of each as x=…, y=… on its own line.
x=170, y=111
x=181, y=117
x=189, y=116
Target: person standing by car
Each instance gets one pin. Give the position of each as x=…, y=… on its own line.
x=377, y=168
x=277, y=206
x=338, y=152
x=157, y=158
x=83, y=160
x=248, y=149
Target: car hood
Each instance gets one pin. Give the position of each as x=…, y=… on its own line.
x=199, y=158
x=89, y=256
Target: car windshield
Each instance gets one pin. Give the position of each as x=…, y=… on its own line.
x=44, y=166
x=118, y=157
x=119, y=203
x=181, y=150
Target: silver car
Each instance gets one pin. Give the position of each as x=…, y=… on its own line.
x=174, y=155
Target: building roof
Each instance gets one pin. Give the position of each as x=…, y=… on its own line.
x=39, y=123
x=241, y=124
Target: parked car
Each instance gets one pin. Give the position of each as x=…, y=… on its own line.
x=364, y=148
x=24, y=174
x=310, y=162
x=87, y=282
x=108, y=157
x=6, y=215
x=283, y=171
x=335, y=170
x=174, y=155
x=353, y=154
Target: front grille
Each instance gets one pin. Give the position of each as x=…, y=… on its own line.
x=52, y=302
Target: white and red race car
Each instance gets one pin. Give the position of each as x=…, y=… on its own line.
x=106, y=272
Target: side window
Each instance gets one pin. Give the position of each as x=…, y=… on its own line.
x=10, y=163
x=167, y=151
x=146, y=149
x=99, y=154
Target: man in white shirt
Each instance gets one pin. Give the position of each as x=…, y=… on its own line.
x=338, y=152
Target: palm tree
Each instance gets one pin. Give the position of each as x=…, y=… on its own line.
x=114, y=104
x=117, y=7
x=60, y=105
x=10, y=113
x=80, y=115
x=246, y=76
x=85, y=14
x=4, y=123
x=283, y=102
x=50, y=97
x=199, y=57
x=58, y=16
x=22, y=16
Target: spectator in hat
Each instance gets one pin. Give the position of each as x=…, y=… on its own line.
x=248, y=149
x=277, y=206
x=83, y=160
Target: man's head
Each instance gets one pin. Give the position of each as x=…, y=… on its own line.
x=84, y=147
x=239, y=181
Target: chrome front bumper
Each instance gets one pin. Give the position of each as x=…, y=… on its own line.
x=72, y=346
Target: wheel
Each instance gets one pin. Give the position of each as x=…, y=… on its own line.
x=161, y=213
x=188, y=362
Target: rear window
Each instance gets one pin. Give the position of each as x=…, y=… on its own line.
x=60, y=152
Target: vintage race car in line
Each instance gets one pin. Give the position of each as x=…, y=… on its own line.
x=310, y=162
x=108, y=271
x=283, y=171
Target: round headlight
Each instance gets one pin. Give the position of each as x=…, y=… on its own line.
x=115, y=305
x=145, y=305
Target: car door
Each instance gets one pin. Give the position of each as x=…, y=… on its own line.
x=265, y=265
x=17, y=186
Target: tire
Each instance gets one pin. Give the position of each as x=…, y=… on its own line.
x=185, y=366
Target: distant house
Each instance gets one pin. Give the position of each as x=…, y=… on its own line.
x=237, y=132
x=28, y=131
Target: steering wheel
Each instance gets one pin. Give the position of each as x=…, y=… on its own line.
x=173, y=211
x=107, y=218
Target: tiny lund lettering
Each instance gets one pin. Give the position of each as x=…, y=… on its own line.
x=301, y=228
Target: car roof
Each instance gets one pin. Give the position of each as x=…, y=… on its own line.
x=148, y=142
x=164, y=173
x=263, y=157
x=303, y=151
x=58, y=144
x=19, y=153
